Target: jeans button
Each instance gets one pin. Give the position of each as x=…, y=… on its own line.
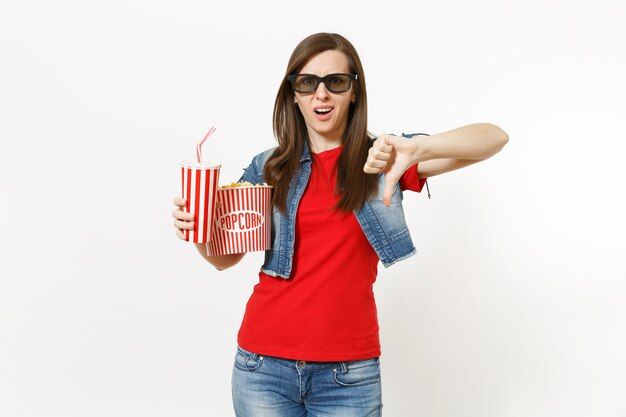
x=301, y=364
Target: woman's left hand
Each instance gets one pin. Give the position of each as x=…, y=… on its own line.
x=391, y=155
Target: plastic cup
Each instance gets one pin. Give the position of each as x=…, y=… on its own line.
x=243, y=220
x=200, y=181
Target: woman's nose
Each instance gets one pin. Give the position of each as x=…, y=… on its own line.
x=321, y=92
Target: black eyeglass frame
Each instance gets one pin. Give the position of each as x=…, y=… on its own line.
x=318, y=80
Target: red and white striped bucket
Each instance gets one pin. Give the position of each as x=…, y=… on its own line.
x=243, y=220
x=200, y=183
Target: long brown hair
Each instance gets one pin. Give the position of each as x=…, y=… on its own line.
x=290, y=130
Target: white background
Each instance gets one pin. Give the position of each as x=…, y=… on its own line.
x=513, y=306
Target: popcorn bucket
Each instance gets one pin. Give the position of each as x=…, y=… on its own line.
x=242, y=221
x=200, y=183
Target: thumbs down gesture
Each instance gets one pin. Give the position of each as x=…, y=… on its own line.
x=391, y=155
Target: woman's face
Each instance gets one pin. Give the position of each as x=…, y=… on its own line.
x=326, y=113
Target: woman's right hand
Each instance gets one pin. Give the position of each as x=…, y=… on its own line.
x=182, y=220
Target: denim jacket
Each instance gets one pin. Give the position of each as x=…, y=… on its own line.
x=384, y=227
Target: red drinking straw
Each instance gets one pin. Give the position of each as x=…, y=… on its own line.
x=199, y=145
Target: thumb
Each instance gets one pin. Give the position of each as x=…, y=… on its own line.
x=386, y=144
x=390, y=184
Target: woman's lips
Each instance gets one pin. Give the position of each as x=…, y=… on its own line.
x=323, y=112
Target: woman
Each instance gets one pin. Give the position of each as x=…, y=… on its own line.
x=308, y=343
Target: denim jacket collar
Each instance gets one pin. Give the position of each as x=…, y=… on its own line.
x=306, y=154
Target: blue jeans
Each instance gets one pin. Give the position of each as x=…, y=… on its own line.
x=266, y=386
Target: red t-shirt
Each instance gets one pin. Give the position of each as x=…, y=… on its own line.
x=326, y=310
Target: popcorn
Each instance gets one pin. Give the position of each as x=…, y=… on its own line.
x=243, y=184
